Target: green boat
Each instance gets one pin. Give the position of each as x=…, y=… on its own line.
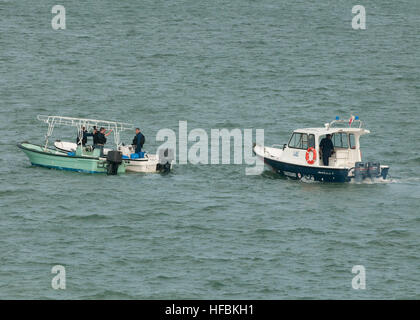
x=84, y=158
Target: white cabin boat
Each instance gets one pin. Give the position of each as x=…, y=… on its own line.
x=300, y=156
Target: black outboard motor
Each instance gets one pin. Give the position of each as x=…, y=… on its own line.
x=113, y=161
x=165, y=159
x=163, y=168
x=360, y=171
x=374, y=169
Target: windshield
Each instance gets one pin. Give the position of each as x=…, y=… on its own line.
x=340, y=140
x=302, y=141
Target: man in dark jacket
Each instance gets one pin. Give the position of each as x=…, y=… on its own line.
x=327, y=149
x=138, y=140
x=82, y=137
x=95, y=135
x=101, y=139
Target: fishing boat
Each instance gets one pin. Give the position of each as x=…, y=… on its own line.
x=299, y=158
x=81, y=158
x=145, y=162
x=136, y=162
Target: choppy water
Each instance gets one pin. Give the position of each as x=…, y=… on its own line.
x=210, y=231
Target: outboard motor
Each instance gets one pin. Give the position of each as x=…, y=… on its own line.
x=360, y=171
x=374, y=169
x=113, y=161
x=165, y=159
x=163, y=168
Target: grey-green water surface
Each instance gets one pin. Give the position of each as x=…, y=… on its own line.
x=210, y=231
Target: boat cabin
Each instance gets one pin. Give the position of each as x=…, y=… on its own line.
x=304, y=145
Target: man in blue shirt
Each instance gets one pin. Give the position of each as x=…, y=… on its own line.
x=138, y=141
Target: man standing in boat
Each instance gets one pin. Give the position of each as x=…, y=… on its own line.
x=95, y=135
x=138, y=140
x=327, y=149
x=101, y=139
x=82, y=137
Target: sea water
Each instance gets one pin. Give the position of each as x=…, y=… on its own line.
x=210, y=231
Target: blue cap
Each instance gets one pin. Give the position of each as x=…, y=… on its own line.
x=337, y=118
x=357, y=118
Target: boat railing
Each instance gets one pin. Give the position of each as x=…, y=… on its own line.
x=282, y=146
x=116, y=127
x=88, y=123
x=356, y=123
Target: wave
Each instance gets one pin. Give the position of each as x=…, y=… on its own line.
x=411, y=161
x=397, y=233
x=264, y=231
x=306, y=230
x=88, y=217
x=108, y=295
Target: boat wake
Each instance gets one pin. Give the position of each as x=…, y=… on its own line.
x=375, y=181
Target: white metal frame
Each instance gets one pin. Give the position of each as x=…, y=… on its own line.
x=116, y=127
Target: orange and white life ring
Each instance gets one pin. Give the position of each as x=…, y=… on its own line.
x=309, y=151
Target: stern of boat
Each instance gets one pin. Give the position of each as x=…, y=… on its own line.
x=368, y=170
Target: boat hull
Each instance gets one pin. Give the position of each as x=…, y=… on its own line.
x=53, y=159
x=319, y=173
x=275, y=159
x=148, y=164
x=316, y=173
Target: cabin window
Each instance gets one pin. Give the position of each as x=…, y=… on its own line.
x=352, y=140
x=311, y=141
x=302, y=141
x=295, y=140
x=340, y=140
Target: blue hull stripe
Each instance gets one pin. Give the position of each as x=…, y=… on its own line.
x=63, y=168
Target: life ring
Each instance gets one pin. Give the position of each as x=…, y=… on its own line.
x=311, y=161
